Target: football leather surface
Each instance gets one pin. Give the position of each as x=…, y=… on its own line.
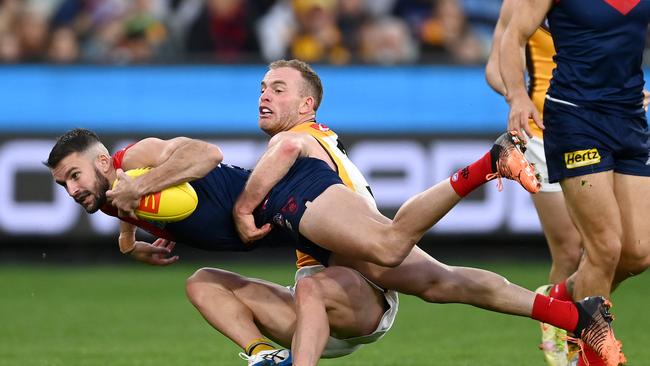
x=171, y=204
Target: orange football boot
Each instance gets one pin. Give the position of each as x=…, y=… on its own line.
x=512, y=164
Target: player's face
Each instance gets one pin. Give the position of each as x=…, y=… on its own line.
x=280, y=100
x=83, y=181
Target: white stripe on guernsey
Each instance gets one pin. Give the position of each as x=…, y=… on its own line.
x=560, y=101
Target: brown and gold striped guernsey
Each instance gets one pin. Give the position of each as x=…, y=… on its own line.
x=539, y=63
x=348, y=172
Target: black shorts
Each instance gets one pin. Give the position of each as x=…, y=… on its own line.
x=580, y=141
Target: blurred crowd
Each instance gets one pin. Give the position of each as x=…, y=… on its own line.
x=246, y=31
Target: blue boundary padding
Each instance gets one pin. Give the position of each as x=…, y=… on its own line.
x=223, y=99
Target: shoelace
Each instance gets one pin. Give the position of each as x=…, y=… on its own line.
x=501, y=170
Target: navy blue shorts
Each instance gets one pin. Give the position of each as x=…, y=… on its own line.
x=580, y=141
x=286, y=203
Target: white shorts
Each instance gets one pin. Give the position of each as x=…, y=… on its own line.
x=340, y=347
x=535, y=154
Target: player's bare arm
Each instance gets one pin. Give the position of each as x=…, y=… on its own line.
x=523, y=23
x=284, y=148
x=492, y=72
x=156, y=253
x=173, y=161
x=126, y=239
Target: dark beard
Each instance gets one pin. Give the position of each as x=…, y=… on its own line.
x=100, y=198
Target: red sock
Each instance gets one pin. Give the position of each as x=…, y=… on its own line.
x=591, y=356
x=472, y=176
x=560, y=292
x=558, y=313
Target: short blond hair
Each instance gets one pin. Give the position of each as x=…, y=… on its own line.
x=313, y=84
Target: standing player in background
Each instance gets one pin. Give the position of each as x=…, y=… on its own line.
x=564, y=240
x=596, y=135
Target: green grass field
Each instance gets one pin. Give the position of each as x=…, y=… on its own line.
x=138, y=315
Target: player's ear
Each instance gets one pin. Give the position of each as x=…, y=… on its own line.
x=103, y=163
x=307, y=105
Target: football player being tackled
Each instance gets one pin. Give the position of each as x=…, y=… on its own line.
x=357, y=312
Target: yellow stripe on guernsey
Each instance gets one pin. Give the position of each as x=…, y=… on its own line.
x=348, y=172
x=539, y=58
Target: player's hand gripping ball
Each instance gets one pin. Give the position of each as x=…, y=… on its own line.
x=169, y=205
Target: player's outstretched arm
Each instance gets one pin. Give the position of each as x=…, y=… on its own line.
x=523, y=23
x=284, y=148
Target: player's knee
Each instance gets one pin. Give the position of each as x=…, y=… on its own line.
x=390, y=250
x=568, y=260
x=308, y=288
x=206, y=280
x=195, y=284
x=604, y=251
x=634, y=262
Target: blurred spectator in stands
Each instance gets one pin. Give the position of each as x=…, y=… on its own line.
x=224, y=32
x=317, y=37
x=9, y=43
x=63, y=48
x=353, y=16
x=275, y=30
x=9, y=10
x=482, y=16
x=143, y=33
x=387, y=41
x=32, y=32
x=9, y=48
x=442, y=30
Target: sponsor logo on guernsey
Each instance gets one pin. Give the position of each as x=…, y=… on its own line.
x=291, y=207
x=576, y=159
x=320, y=127
x=150, y=203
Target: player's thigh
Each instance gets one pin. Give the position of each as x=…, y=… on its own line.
x=633, y=196
x=419, y=274
x=592, y=204
x=343, y=221
x=354, y=306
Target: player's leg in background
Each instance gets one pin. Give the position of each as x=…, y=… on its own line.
x=564, y=240
x=336, y=301
x=243, y=309
x=565, y=245
x=596, y=213
x=633, y=196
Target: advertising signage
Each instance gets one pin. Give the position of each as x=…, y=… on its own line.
x=396, y=168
